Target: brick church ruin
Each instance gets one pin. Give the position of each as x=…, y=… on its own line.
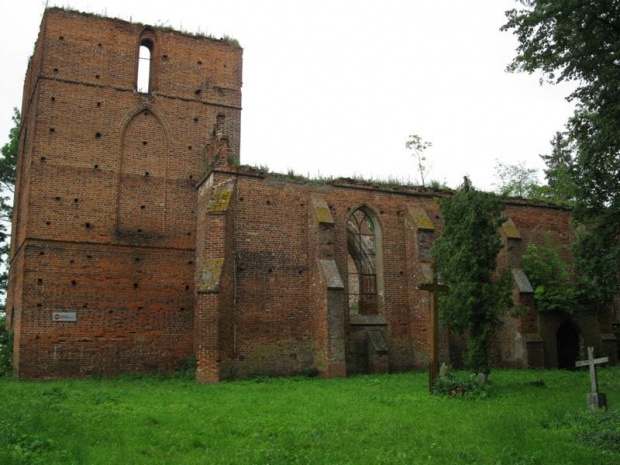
x=139, y=240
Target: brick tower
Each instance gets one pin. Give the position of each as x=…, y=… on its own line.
x=116, y=119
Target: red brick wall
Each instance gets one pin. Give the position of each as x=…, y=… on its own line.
x=93, y=232
x=279, y=311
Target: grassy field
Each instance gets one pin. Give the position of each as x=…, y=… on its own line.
x=365, y=419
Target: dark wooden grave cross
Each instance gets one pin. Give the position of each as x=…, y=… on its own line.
x=595, y=399
x=434, y=288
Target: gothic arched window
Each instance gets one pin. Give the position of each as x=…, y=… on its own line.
x=363, y=262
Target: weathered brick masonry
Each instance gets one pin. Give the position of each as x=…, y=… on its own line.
x=134, y=223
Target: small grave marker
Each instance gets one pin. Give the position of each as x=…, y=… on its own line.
x=595, y=399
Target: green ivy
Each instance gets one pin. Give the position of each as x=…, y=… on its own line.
x=551, y=278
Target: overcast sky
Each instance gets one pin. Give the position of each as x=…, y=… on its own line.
x=335, y=87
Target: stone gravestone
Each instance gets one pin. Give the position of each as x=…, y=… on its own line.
x=443, y=372
x=595, y=399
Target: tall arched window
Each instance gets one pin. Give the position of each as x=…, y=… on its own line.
x=364, y=262
x=144, y=66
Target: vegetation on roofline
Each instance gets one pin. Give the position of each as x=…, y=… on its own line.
x=389, y=183
x=160, y=26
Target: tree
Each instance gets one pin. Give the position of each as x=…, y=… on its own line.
x=418, y=146
x=551, y=277
x=516, y=180
x=8, y=163
x=560, y=186
x=466, y=257
x=579, y=41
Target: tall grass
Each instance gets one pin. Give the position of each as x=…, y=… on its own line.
x=365, y=419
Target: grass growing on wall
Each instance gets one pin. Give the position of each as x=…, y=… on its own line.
x=365, y=419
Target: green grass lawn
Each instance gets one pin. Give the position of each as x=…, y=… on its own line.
x=365, y=419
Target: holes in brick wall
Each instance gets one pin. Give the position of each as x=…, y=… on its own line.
x=137, y=259
x=144, y=142
x=142, y=207
x=402, y=273
x=55, y=70
x=98, y=104
x=195, y=120
x=146, y=174
x=199, y=62
x=89, y=257
x=99, y=45
x=187, y=287
x=268, y=202
x=41, y=253
x=164, y=58
x=52, y=130
x=96, y=167
x=76, y=200
x=61, y=38
x=189, y=147
x=97, y=76
x=74, y=283
x=191, y=176
x=270, y=270
x=139, y=231
x=198, y=91
x=39, y=305
x=191, y=262
x=189, y=234
x=85, y=306
x=241, y=199
x=135, y=285
x=39, y=281
x=47, y=223
x=53, y=99
x=182, y=309
x=43, y=158
x=381, y=212
x=72, y=261
x=88, y=225
x=98, y=135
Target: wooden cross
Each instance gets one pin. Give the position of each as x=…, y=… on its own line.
x=595, y=399
x=434, y=288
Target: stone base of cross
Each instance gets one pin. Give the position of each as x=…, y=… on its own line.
x=595, y=399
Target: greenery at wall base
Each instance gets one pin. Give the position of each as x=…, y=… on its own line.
x=532, y=416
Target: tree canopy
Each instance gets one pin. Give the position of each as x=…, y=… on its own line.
x=579, y=41
x=516, y=180
x=466, y=258
x=8, y=163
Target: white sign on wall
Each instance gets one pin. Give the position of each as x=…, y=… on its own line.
x=64, y=316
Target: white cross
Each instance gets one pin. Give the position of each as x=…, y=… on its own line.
x=592, y=362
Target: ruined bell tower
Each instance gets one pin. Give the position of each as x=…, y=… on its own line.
x=116, y=122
